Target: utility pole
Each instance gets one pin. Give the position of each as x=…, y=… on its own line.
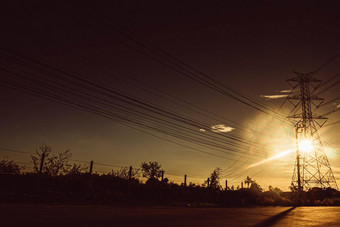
x=312, y=167
x=130, y=173
x=162, y=175
x=185, y=180
x=91, y=167
x=42, y=162
x=226, y=184
x=298, y=167
x=44, y=150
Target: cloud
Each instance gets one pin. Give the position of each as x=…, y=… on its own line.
x=221, y=128
x=269, y=97
x=202, y=130
x=286, y=91
x=338, y=106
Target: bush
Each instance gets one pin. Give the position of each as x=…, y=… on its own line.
x=9, y=168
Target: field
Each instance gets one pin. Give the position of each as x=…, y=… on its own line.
x=71, y=215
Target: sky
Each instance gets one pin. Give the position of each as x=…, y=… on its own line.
x=251, y=47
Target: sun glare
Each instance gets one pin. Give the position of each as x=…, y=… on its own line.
x=306, y=145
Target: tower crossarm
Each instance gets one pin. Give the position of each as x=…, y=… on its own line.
x=314, y=117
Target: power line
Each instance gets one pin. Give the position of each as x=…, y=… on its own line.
x=202, y=80
x=160, y=93
x=331, y=124
x=326, y=63
x=329, y=87
x=88, y=62
x=128, y=124
x=330, y=101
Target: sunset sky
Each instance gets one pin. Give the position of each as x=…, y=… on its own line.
x=250, y=46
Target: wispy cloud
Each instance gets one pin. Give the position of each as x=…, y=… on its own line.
x=338, y=106
x=202, y=130
x=221, y=128
x=286, y=91
x=269, y=97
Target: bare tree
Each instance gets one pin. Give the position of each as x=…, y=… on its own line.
x=58, y=164
x=39, y=158
x=44, y=162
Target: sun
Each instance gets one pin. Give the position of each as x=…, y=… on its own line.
x=306, y=145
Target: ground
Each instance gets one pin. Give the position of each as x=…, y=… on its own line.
x=71, y=215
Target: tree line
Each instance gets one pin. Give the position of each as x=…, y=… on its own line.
x=55, y=179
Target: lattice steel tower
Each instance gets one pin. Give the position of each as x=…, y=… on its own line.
x=312, y=168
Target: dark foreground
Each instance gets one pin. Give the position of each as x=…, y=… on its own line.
x=68, y=215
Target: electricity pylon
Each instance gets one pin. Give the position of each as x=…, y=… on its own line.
x=312, y=168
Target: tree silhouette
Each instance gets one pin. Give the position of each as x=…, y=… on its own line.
x=293, y=187
x=77, y=169
x=151, y=170
x=124, y=173
x=9, y=167
x=44, y=162
x=275, y=190
x=248, y=181
x=255, y=187
x=39, y=159
x=215, y=177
